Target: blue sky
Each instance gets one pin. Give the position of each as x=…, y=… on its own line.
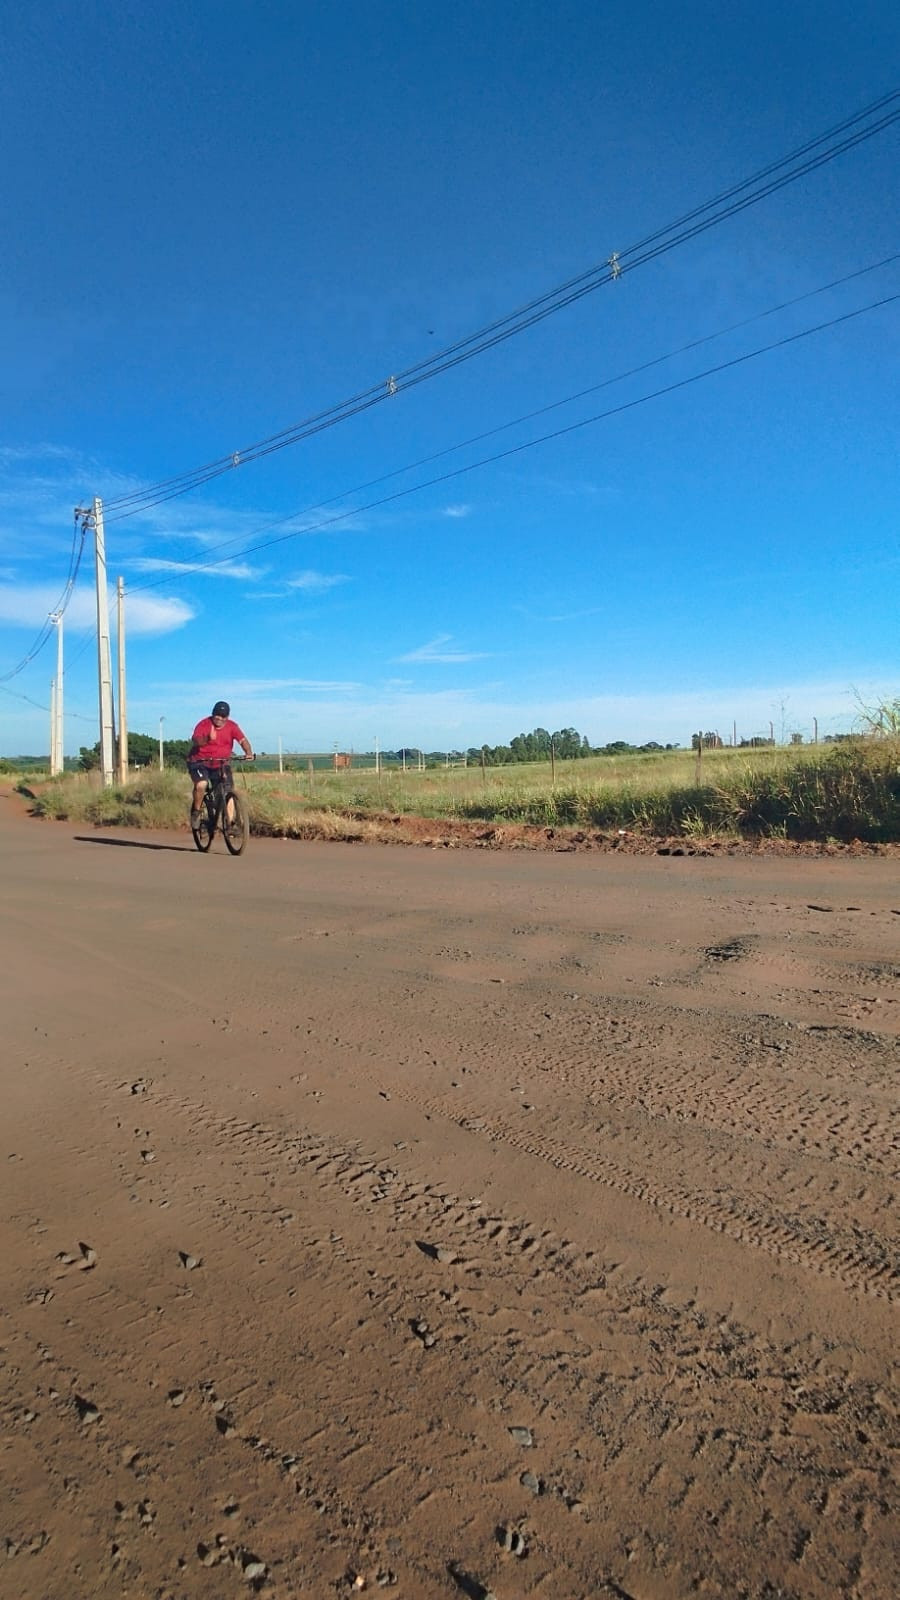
x=222, y=219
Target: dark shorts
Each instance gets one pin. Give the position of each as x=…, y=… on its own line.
x=202, y=771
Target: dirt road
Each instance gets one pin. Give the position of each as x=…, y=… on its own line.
x=449, y=1223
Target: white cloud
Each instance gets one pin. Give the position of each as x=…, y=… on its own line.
x=458, y=511
x=268, y=686
x=433, y=652
x=317, y=582
x=560, y=616
x=455, y=718
x=230, y=569
x=15, y=455
x=27, y=606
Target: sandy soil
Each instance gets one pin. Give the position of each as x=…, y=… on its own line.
x=450, y=1223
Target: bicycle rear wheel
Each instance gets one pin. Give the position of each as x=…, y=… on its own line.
x=235, y=823
x=206, y=827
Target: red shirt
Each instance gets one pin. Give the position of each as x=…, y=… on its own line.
x=212, y=744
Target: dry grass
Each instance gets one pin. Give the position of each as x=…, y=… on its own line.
x=849, y=791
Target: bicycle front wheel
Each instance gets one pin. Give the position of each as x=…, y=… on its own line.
x=235, y=823
x=206, y=827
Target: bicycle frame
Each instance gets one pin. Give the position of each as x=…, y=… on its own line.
x=216, y=813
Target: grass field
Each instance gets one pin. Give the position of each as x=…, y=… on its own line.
x=841, y=792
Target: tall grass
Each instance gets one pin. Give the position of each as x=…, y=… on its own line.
x=847, y=791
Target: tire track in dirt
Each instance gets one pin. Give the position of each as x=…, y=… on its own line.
x=745, y=1223
x=515, y=1360
x=345, y=1177
x=811, y=1241
x=785, y=1111
x=603, y=1372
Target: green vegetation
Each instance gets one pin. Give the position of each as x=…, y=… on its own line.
x=844, y=791
x=143, y=751
x=851, y=791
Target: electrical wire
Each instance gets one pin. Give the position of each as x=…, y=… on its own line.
x=457, y=472
x=558, y=433
x=58, y=610
x=77, y=715
x=709, y=214
x=553, y=405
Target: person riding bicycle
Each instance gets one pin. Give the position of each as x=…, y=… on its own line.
x=211, y=745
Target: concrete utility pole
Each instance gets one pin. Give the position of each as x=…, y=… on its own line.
x=123, y=719
x=161, y=757
x=280, y=758
x=53, y=727
x=60, y=735
x=56, y=712
x=104, y=666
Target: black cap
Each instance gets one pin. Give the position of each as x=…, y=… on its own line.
x=221, y=709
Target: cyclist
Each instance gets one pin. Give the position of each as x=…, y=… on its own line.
x=211, y=744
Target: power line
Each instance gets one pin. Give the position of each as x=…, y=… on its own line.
x=58, y=609
x=558, y=433
x=15, y=695
x=530, y=444
x=529, y=416
x=709, y=214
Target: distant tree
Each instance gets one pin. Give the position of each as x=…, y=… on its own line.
x=566, y=744
x=142, y=750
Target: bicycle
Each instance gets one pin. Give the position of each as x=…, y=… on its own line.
x=225, y=809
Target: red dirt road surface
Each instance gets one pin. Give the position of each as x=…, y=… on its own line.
x=445, y=1224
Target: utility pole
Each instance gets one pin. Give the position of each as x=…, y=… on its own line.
x=280, y=760
x=377, y=757
x=104, y=667
x=60, y=736
x=56, y=712
x=53, y=727
x=123, y=719
x=161, y=758
x=815, y=730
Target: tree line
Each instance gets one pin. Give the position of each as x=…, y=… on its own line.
x=566, y=744
x=143, y=751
